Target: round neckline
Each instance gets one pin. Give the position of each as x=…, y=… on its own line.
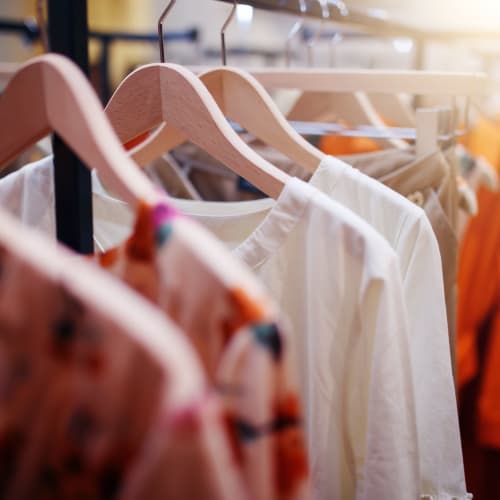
x=271, y=232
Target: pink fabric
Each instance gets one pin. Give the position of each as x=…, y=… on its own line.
x=233, y=325
x=92, y=378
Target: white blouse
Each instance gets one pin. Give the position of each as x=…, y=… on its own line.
x=408, y=231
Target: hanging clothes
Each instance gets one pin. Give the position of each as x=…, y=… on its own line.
x=334, y=294
x=94, y=392
x=349, y=333
x=225, y=313
x=478, y=346
x=479, y=285
x=407, y=229
x=429, y=182
x=234, y=329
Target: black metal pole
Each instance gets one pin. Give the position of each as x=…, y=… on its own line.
x=105, y=73
x=68, y=35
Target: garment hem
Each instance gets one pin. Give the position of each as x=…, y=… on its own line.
x=445, y=496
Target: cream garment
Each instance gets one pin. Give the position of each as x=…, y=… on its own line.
x=339, y=282
x=409, y=232
x=407, y=229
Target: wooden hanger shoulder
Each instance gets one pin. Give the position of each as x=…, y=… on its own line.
x=65, y=103
x=179, y=98
x=243, y=100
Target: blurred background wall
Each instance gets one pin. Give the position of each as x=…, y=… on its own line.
x=266, y=32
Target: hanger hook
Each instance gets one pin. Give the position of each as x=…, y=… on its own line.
x=325, y=16
x=223, y=32
x=296, y=28
x=42, y=25
x=161, y=41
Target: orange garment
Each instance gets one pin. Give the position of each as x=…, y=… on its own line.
x=479, y=303
x=136, y=141
x=336, y=145
x=484, y=140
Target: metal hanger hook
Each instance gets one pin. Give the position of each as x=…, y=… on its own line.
x=296, y=28
x=325, y=16
x=161, y=41
x=223, y=32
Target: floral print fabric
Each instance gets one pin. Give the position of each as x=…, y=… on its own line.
x=91, y=375
x=233, y=326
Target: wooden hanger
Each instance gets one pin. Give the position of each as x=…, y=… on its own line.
x=243, y=100
x=330, y=81
x=50, y=93
x=158, y=93
x=374, y=81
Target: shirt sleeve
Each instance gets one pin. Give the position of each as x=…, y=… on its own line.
x=441, y=463
x=388, y=464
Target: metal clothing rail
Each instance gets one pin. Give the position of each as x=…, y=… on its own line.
x=106, y=39
x=371, y=20
x=31, y=31
x=371, y=131
x=375, y=21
